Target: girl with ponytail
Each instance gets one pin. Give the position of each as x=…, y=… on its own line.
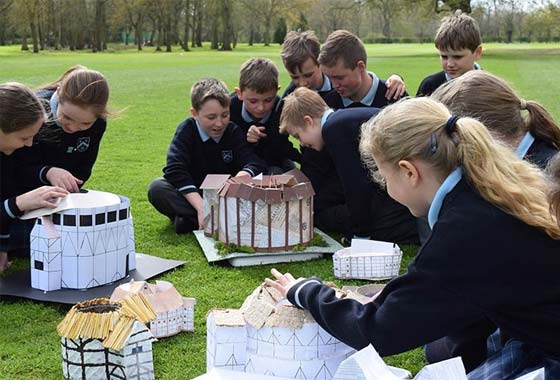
x=493, y=252
x=525, y=126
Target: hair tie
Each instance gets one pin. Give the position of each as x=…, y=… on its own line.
x=450, y=125
x=523, y=104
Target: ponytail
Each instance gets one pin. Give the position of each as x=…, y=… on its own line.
x=491, y=100
x=541, y=124
x=553, y=173
x=421, y=128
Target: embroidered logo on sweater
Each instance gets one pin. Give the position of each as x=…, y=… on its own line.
x=227, y=156
x=83, y=144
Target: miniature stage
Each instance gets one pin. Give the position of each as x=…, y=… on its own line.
x=238, y=259
x=18, y=284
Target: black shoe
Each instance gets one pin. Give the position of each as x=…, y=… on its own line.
x=183, y=225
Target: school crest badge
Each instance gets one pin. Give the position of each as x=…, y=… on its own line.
x=227, y=156
x=83, y=144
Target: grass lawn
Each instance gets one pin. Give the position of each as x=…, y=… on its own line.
x=150, y=96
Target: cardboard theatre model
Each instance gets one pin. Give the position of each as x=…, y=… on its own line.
x=271, y=337
x=175, y=313
x=267, y=213
x=104, y=339
x=87, y=241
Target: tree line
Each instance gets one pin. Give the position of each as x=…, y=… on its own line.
x=163, y=24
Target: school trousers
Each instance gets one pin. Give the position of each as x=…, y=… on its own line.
x=167, y=200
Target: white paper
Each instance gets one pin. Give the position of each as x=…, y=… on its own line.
x=451, y=369
x=365, y=364
x=222, y=374
x=372, y=247
x=90, y=199
x=535, y=375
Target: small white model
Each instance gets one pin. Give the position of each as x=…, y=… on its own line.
x=87, y=241
x=102, y=339
x=269, y=336
x=175, y=313
x=368, y=260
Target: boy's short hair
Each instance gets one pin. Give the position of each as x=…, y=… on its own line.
x=302, y=102
x=298, y=47
x=207, y=89
x=343, y=45
x=258, y=74
x=457, y=32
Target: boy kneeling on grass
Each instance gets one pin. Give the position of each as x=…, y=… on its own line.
x=366, y=210
x=205, y=143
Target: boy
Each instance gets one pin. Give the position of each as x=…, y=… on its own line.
x=300, y=53
x=206, y=143
x=343, y=59
x=256, y=108
x=459, y=44
x=367, y=211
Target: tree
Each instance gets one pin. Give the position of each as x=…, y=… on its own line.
x=280, y=31
x=445, y=5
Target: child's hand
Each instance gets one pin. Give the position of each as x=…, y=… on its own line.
x=63, y=178
x=283, y=282
x=254, y=134
x=4, y=263
x=200, y=216
x=395, y=87
x=45, y=196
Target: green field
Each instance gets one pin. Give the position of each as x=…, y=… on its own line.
x=149, y=97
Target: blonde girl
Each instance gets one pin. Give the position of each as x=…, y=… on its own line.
x=493, y=252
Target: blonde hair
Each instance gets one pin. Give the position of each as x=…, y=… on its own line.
x=298, y=47
x=416, y=129
x=83, y=87
x=19, y=107
x=491, y=100
x=457, y=32
x=302, y=102
x=344, y=46
x=258, y=74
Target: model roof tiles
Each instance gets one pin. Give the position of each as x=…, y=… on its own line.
x=270, y=189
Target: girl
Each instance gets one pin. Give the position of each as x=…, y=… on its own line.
x=491, y=100
x=65, y=150
x=493, y=252
x=21, y=116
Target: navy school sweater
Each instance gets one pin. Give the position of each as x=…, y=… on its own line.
x=431, y=83
x=318, y=166
x=189, y=159
x=52, y=147
x=275, y=147
x=479, y=262
x=540, y=153
x=8, y=207
x=364, y=199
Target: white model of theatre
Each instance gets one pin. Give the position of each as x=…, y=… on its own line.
x=87, y=241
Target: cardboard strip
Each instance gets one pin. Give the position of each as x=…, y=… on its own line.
x=253, y=224
x=212, y=220
x=301, y=221
x=238, y=224
x=269, y=226
x=311, y=219
x=286, y=220
x=226, y=221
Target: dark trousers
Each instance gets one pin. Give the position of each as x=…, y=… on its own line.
x=171, y=203
x=393, y=222
x=470, y=344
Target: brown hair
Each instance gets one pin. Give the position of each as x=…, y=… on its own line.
x=19, y=107
x=258, y=74
x=207, y=89
x=298, y=47
x=457, y=32
x=553, y=174
x=302, y=102
x=416, y=129
x=345, y=46
x=491, y=100
x=84, y=88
